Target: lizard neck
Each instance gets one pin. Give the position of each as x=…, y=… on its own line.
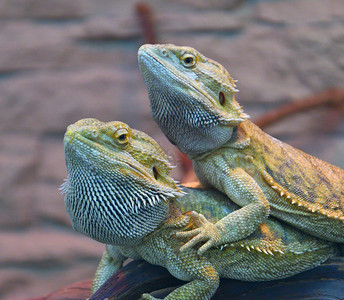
x=110, y=208
x=193, y=128
x=239, y=140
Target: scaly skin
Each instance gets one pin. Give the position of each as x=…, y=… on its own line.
x=119, y=178
x=192, y=100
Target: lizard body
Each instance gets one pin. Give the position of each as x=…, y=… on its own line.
x=192, y=100
x=119, y=178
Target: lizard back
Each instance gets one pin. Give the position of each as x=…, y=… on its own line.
x=302, y=179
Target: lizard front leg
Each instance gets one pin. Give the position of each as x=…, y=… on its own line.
x=111, y=261
x=243, y=190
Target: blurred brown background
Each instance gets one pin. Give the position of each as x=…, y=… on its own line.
x=63, y=60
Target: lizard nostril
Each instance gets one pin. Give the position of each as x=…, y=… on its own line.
x=94, y=133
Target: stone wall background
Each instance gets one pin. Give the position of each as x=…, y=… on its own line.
x=61, y=61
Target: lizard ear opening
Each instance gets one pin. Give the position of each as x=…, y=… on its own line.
x=155, y=173
x=222, y=99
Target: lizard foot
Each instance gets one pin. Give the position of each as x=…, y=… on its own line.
x=204, y=231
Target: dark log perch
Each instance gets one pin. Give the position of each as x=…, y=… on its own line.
x=323, y=282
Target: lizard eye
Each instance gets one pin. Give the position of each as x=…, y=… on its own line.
x=188, y=60
x=122, y=136
x=222, y=99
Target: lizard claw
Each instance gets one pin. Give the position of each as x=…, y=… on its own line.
x=205, y=231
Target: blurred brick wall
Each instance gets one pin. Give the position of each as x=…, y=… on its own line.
x=61, y=61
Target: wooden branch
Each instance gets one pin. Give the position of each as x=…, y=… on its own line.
x=331, y=97
x=145, y=15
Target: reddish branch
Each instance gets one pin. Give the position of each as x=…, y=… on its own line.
x=332, y=97
x=145, y=15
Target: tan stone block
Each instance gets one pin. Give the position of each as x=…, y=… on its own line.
x=46, y=9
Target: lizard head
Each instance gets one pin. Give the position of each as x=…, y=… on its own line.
x=116, y=175
x=192, y=96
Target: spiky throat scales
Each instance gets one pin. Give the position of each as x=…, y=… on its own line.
x=111, y=209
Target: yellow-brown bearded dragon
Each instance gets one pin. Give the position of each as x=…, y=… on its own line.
x=192, y=100
x=119, y=192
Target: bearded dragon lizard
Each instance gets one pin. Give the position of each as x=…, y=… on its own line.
x=192, y=100
x=119, y=192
